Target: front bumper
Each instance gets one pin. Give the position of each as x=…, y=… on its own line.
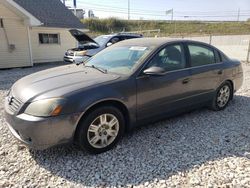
x=39, y=132
x=68, y=59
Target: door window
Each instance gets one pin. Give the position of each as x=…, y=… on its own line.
x=169, y=58
x=201, y=55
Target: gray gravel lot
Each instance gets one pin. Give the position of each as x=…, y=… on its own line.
x=199, y=149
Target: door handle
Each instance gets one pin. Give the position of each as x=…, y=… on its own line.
x=185, y=81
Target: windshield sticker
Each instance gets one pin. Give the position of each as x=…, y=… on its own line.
x=138, y=48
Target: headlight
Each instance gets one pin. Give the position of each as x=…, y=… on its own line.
x=46, y=107
x=81, y=53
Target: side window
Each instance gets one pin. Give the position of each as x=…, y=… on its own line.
x=129, y=37
x=201, y=55
x=122, y=38
x=169, y=58
x=217, y=56
x=114, y=40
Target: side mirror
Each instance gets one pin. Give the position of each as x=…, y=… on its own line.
x=109, y=44
x=154, y=71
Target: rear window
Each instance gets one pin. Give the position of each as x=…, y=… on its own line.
x=224, y=57
x=102, y=40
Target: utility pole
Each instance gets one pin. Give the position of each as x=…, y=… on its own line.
x=248, y=53
x=64, y=2
x=75, y=7
x=238, y=16
x=172, y=18
x=128, y=9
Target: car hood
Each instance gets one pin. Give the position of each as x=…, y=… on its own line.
x=57, y=82
x=82, y=37
x=83, y=48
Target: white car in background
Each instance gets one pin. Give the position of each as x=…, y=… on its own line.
x=88, y=47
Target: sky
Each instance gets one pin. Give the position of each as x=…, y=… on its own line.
x=227, y=10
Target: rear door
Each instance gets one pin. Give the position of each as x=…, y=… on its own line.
x=158, y=95
x=206, y=71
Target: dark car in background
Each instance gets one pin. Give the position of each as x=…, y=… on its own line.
x=87, y=47
x=130, y=83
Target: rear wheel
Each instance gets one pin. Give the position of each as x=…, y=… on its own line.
x=101, y=129
x=223, y=96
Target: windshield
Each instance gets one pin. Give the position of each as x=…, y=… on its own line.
x=102, y=40
x=120, y=60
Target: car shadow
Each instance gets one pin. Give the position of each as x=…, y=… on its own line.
x=157, y=151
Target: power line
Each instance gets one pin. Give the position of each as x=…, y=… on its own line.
x=178, y=14
x=155, y=14
x=93, y=5
x=162, y=15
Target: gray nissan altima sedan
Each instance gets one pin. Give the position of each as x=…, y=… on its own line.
x=130, y=83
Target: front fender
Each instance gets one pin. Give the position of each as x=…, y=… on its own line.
x=123, y=92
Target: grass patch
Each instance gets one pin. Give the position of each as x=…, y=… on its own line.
x=177, y=28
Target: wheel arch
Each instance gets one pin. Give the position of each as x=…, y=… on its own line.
x=232, y=85
x=109, y=102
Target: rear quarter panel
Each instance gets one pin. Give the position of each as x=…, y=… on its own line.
x=232, y=71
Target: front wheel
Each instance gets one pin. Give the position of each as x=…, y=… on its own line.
x=101, y=129
x=223, y=96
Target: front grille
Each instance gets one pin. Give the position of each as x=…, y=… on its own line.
x=14, y=103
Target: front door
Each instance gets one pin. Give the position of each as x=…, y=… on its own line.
x=160, y=94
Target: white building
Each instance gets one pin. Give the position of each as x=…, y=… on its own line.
x=79, y=12
x=91, y=14
x=34, y=32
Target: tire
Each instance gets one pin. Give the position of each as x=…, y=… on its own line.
x=95, y=133
x=223, y=96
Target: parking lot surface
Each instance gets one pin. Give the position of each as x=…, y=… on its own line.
x=201, y=148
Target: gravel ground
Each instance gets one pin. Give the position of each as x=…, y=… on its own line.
x=198, y=149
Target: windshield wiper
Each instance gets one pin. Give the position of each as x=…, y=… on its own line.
x=82, y=62
x=97, y=68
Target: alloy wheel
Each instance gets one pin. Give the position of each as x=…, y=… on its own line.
x=223, y=96
x=103, y=131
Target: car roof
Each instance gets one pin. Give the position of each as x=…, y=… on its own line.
x=129, y=34
x=123, y=34
x=145, y=42
x=154, y=42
